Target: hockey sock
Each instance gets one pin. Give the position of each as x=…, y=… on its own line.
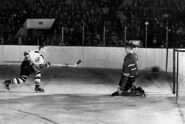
x=37, y=78
x=19, y=80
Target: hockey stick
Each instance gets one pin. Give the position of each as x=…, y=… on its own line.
x=68, y=65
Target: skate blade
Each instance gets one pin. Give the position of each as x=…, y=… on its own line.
x=39, y=91
x=134, y=94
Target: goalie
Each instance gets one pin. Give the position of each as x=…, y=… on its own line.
x=32, y=64
x=129, y=73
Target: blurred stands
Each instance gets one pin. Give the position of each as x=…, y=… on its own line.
x=115, y=15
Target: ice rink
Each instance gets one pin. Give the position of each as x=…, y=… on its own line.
x=82, y=96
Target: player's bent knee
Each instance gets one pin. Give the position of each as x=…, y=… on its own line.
x=38, y=74
x=14, y=81
x=37, y=81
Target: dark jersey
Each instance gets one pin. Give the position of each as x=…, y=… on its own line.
x=130, y=66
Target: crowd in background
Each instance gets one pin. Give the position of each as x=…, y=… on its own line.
x=117, y=20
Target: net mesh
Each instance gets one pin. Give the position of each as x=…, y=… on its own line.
x=180, y=74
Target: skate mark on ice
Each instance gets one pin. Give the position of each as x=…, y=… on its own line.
x=35, y=115
x=6, y=91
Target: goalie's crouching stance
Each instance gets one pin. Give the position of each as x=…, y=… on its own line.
x=129, y=75
x=32, y=64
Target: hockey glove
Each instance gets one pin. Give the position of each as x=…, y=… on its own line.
x=47, y=64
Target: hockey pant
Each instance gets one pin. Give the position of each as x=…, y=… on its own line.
x=26, y=71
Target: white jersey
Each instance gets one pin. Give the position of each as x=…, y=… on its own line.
x=34, y=56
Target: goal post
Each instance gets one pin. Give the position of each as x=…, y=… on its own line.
x=179, y=73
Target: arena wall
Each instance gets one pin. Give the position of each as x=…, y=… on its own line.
x=92, y=57
x=1, y=54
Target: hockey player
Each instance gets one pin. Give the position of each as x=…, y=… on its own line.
x=129, y=72
x=32, y=64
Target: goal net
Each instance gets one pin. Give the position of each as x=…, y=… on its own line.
x=179, y=74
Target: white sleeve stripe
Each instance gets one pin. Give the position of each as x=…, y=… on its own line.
x=126, y=74
x=131, y=65
x=132, y=76
x=133, y=69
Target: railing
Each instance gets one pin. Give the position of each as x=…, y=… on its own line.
x=100, y=36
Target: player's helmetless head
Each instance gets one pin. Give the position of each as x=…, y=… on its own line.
x=43, y=48
x=129, y=48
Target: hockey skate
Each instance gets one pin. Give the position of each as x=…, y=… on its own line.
x=38, y=88
x=6, y=84
x=132, y=92
x=122, y=94
x=135, y=92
